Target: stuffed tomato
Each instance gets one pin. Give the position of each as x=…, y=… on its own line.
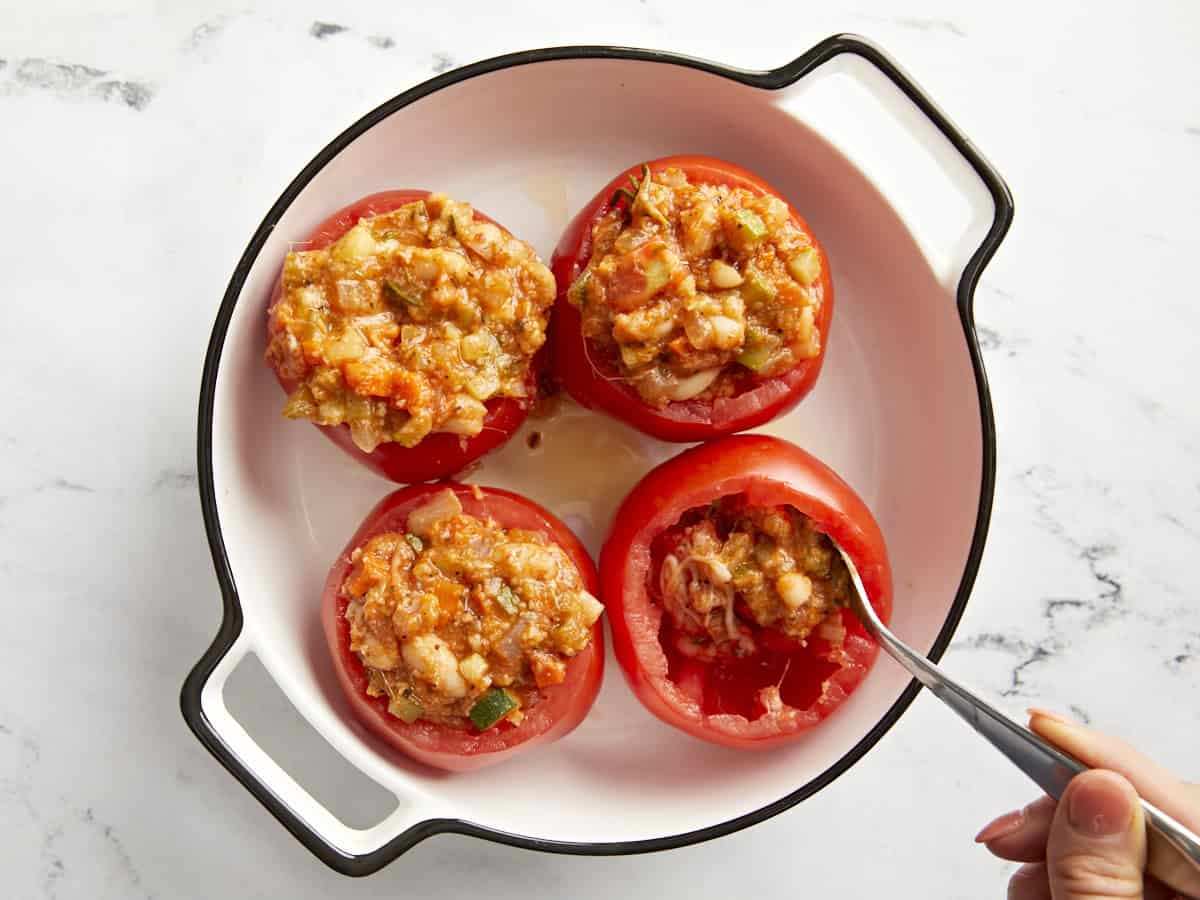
x=727, y=599
x=463, y=625
x=693, y=301
x=408, y=329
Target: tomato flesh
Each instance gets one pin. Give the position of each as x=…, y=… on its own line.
x=721, y=700
x=439, y=454
x=593, y=378
x=561, y=707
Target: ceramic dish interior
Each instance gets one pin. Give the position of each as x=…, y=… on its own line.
x=901, y=411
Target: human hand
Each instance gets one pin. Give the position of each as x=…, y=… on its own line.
x=1091, y=844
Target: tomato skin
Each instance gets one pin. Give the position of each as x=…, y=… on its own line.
x=769, y=472
x=594, y=380
x=561, y=707
x=439, y=454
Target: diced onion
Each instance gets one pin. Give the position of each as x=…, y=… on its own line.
x=687, y=388
x=441, y=506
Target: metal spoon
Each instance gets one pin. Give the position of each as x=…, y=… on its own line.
x=1171, y=847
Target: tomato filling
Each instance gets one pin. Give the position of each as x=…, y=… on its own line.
x=460, y=621
x=409, y=324
x=697, y=290
x=754, y=601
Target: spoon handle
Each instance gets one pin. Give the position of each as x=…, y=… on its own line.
x=1050, y=768
x=1173, y=850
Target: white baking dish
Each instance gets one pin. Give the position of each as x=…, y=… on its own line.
x=909, y=212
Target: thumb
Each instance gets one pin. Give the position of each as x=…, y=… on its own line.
x=1097, y=846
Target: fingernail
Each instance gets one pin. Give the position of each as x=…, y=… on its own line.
x=1099, y=805
x=1003, y=826
x=1034, y=711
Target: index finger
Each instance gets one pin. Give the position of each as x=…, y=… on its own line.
x=1153, y=782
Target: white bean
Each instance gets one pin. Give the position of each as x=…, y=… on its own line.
x=795, y=589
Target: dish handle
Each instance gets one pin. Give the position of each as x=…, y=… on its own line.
x=352, y=851
x=953, y=200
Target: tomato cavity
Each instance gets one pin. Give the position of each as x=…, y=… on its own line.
x=733, y=685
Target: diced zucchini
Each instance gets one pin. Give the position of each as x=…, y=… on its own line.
x=760, y=345
x=507, y=599
x=756, y=287
x=396, y=291
x=818, y=561
x=405, y=706
x=744, y=229
x=635, y=355
x=418, y=214
x=750, y=227
x=657, y=269
x=578, y=291
x=491, y=708
x=415, y=542
x=754, y=358
x=805, y=266
x=301, y=404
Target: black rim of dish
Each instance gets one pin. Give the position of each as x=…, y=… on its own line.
x=231, y=624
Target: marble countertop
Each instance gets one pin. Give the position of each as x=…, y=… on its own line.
x=139, y=133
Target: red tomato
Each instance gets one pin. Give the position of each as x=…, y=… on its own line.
x=561, y=707
x=593, y=377
x=718, y=701
x=438, y=454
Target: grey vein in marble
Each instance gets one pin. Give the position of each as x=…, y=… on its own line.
x=55, y=867
x=1080, y=713
x=930, y=25
x=442, y=63
x=1187, y=654
x=1025, y=653
x=920, y=23
x=1172, y=519
x=63, y=484
x=115, y=843
x=381, y=41
x=991, y=340
x=1107, y=604
x=205, y=32
x=174, y=479
x=76, y=80
x=19, y=786
x=323, y=30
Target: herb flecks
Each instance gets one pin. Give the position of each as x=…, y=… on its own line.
x=397, y=292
